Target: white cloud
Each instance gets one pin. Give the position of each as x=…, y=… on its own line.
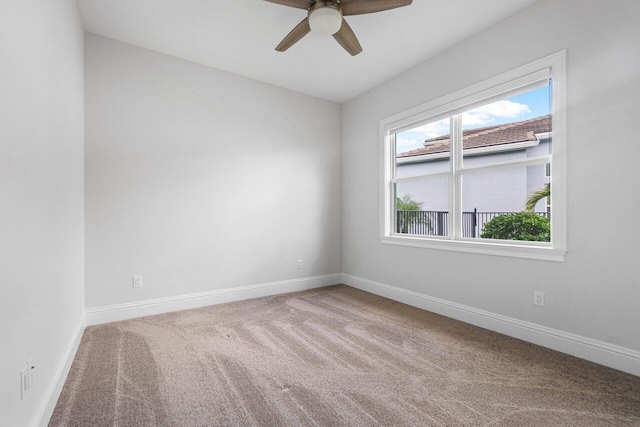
x=503, y=109
x=408, y=144
x=487, y=114
x=433, y=129
x=476, y=120
x=403, y=142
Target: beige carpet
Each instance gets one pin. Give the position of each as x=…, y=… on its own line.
x=331, y=357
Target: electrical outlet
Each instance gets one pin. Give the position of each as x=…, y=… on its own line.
x=27, y=378
x=137, y=281
x=32, y=373
x=538, y=298
x=299, y=263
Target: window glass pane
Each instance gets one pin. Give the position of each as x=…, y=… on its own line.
x=422, y=206
x=423, y=150
x=494, y=204
x=507, y=129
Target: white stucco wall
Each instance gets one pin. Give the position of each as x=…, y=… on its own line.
x=503, y=190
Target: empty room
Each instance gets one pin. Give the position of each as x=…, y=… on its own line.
x=299, y=212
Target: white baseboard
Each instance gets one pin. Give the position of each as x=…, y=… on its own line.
x=54, y=388
x=114, y=313
x=613, y=356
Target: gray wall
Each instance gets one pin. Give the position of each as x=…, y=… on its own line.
x=41, y=197
x=595, y=293
x=201, y=180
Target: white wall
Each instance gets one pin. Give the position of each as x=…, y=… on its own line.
x=201, y=180
x=41, y=197
x=596, y=292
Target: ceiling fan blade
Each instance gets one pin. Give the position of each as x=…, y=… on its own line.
x=300, y=4
x=348, y=39
x=301, y=30
x=359, y=7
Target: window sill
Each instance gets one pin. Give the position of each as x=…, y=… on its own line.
x=543, y=253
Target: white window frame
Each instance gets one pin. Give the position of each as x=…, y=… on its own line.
x=498, y=87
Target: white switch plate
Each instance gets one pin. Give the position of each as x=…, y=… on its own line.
x=299, y=263
x=538, y=298
x=137, y=281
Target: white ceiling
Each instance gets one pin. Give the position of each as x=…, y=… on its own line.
x=239, y=36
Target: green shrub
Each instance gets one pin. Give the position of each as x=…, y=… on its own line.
x=518, y=226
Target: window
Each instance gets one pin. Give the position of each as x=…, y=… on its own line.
x=473, y=171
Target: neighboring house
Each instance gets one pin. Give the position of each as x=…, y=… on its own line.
x=503, y=190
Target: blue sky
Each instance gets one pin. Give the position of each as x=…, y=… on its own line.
x=520, y=107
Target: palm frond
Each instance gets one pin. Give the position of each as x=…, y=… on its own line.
x=536, y=196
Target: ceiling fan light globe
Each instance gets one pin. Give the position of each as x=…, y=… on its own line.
x=326, y=21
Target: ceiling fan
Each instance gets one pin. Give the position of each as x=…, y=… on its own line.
x=326, y=17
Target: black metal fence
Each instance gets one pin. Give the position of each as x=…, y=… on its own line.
x=436, y=223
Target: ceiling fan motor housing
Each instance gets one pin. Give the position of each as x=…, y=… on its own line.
x=325, y=18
